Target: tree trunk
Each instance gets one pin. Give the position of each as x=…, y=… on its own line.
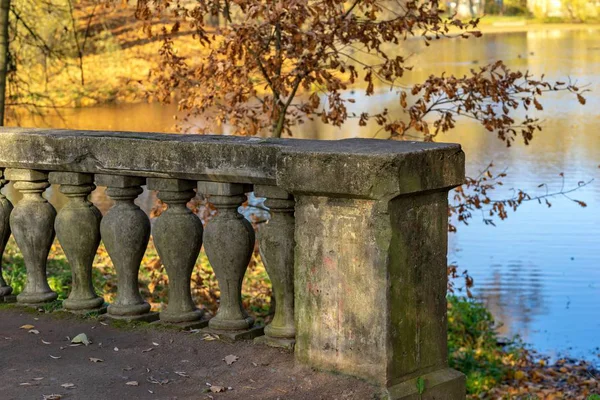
x=4, y=11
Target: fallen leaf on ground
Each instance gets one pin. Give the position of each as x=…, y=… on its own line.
x=519, y=375
x=27, y=327
x=157, y=381
x=25, y=384
x=38, y=379
x=43, y=341
x=96, y=360
x=210, y=337
x=103, y=323
x=133, y=383
x=34, y=331
x=52, y=397
x=217, y=389
x=81, y=338
x=181, y=373
x=68, y=385
x=116, y=349
x=147, y=350
x=55, y=357
x=230, y=359
x=127, y=368
x=156, y=344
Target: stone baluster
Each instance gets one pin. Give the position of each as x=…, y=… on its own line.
x=229, y=243
x=5, y=210
x=32, y=225
x=125, y=231
x=177, y=235
x=78, y=231
x=276, y=244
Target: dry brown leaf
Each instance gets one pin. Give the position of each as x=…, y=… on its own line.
x=133, y=383
x=147, y=350
x=81, y=338
x=217, y=389
x=55, y=357
x=27, y=327
x=52, y=397
x=68, y=385
x=34, y=331
x=96, y=360
x=230, y=359
x=43, y=341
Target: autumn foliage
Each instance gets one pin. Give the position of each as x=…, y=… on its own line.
x=271, y=65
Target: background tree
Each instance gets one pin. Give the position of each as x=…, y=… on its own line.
x=276, y=64
x=4, y=15
x=40, y=40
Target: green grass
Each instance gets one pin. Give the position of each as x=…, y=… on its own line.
x=473, y=345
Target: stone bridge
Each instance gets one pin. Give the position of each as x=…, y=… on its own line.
x=355, y=246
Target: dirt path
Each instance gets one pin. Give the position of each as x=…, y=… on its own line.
x=166, y=364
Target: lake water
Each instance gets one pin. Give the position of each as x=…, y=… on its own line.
x=538, y=271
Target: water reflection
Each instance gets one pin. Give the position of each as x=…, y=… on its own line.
x=538, y=271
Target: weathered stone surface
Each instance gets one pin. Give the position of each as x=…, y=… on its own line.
x=178, y=237
x=220, y=189
x=119, y=181
x=228, y=335
x=369, y=169
x=78, y=230
x=125, y=231
x=6, y=208
x=276, y=244
x=32, y=224
x=25, y=175
x=370, y=286
x=444, y=384
x=229, y=242
x=194, y=157
x=353, y=167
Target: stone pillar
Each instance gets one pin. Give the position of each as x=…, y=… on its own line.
x=32, y=224
x=229, y=243
x=177, y=235
x=370, y=262
x=78, y=231
x=6, y=208
x=125, y=231
x=276, y=244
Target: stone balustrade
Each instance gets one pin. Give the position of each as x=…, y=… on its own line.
x=355, y=246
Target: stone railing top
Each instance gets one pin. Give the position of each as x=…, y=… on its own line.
x=361, y=168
